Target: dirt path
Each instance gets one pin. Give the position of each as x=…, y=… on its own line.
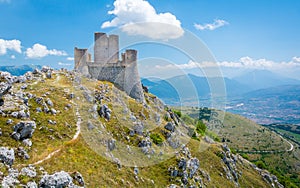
x=76, y=135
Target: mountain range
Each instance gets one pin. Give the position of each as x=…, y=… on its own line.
x=194, y=87
x=260, y=95
x=19, y=70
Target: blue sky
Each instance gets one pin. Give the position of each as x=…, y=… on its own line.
x=241, y=35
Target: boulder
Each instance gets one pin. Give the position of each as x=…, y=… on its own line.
x=31, y=184
x=58, y=179
x=15, y=114
x=9, y=181
x=36, y=71
x=24, y=86
x=7, y=156
x=39, y=100
x=49, y=75
x=53, y=111
x=145, y=143
x=38, y=110
x=27, y=142
x=45, y=69
x=105, y=112
x=182, y=164
x=138, y=128
x=78, y=177
x=71, y=96
x=193, y=165
x=51, y=122
x=49, y=102
x=209, y=140
x=111, y=144
x=170, y=127
x=29, y=171
x=21, y=79
x=22, y=153
x=25, y=129
x=136, y=170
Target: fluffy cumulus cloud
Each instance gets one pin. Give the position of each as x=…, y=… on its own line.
x=70, y=58
x=211, y=26
x=38, y=51
x=138, y=17
x=13, y=45
x=243, y=63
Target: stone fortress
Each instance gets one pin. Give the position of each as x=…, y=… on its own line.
x=107, y=66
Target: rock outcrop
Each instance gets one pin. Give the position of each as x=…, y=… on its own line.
x=23, y=130
x=7, y=156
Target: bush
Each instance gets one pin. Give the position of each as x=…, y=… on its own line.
x=156, y=138
x=245, y=156
x=177, y=112
x=261, y=164
x=200, y=128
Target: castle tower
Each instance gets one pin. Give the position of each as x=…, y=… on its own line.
x=101, y=48
x=106, y=48
x=132, y=83
x=80, y=57
x=113, y=49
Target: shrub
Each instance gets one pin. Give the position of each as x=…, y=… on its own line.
x=260, y=164
x=177, y=112
x=201, y=128
x=156, y=138
x=245, y=156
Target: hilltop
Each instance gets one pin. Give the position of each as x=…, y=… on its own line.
x=64, y=130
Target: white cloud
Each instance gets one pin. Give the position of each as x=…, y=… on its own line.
x=12, y=57
x=156, y=25
x=38, y=51
x=64, y=64
x=296, y=59
x=243, y=63
x=211, y=26
x=13, y=45
x=70, y=58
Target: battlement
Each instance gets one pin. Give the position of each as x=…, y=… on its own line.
x=107, y=66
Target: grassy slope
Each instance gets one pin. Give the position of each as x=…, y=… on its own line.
x=96, y=170
x=245, y=135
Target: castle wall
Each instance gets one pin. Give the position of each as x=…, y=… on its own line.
x=113, y=73
x=124, y=76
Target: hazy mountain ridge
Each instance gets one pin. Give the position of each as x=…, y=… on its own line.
x=19, y=70
x=262, y=79
x=267, y=105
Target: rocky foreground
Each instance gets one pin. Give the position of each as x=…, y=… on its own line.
x=60, y=130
